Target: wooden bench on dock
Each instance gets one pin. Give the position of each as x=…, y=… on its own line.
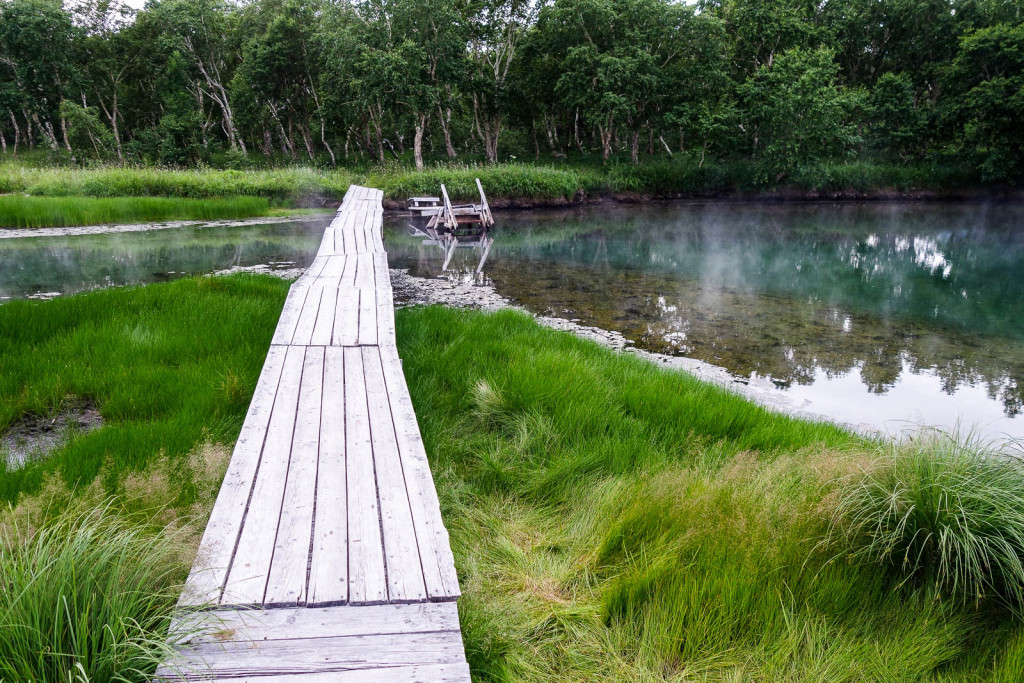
x=325, y=557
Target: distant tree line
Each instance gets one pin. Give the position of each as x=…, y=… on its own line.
x=787, y=83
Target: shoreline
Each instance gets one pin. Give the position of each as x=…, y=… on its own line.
x=794, y=196
x=111, y=228
x=411, y=290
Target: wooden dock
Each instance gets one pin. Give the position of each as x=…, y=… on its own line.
x=325, y=558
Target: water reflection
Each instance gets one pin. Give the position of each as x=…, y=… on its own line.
x=805, y=295
x=33, y=266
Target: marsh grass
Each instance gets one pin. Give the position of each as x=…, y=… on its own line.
x=945, y=506
x=614, y=521
x=86, y=597
x=277, y=185
x=169, y=366
x=45, y=212
x=500, y=181
x=610, y=520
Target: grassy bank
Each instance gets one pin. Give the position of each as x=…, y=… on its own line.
x=610, y=520
x=46, y=212
x=104, y=527
x=554, y=182
x=276, y=185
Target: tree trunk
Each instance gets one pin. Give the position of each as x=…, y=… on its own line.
x=268, y=143
x=17, y=131
x=606, y=140
x=536, y=142
x=445, y=117
x=28, y=130
x=323, y=139
x=67, y=143
x=307, y=140
x=576, y=131
x=417, y=143
x=491, y=130
x=665, y=145
x=634, y=148
x=3, y=142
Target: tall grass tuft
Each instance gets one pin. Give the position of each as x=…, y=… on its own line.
x=86, y=598
x=46, y=212
x=945, y=508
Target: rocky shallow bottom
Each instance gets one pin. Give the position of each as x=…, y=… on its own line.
x=413, y=291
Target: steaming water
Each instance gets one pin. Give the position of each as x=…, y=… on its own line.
x=877, y=314
x=882, y=315
x=42, y=267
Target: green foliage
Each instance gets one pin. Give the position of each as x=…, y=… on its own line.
x=502, y=181
x=87, y=597
x=990, y=69
x=160, y=363
x=798, y=113
x=946, y=508
x=614, y=521
x=276, y=185
x=44, y=212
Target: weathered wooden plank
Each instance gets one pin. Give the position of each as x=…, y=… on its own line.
x=314, y=655
x=401, y=551
x=210, y=570
x=385, y=305
x=288, y=568
x=247, y=578
x=357, y=227
x=328, y=572
x=293, y=305
x=323, y=329
x=346, y=318
x=317, y=622
x=309, y=314
x=368, y=315
x=418, y=673
x=435, y=548
x=367, y=584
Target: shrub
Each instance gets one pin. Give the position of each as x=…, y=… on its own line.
x=947, y=509
x=86, y=598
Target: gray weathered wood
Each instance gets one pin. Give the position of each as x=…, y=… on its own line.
x=327, y=522
x=367, y=583
x=405, y=575
x=247, y=579
x=209, y=572
x=328, y=573
x=287, y=582
x=435, y=549
x=418, y=673
x=312, y=622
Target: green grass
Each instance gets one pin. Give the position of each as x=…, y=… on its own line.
x=947, y=507
x=287, y=184
x=501, y=181
x=557, y=182
x=613, y=521
x=46, y=212
x=169, y=366
x=610, y=520
x=86, y=598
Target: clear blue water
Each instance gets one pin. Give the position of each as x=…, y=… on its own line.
x=881, y=314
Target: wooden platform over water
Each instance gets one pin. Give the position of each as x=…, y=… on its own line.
x=325, y=558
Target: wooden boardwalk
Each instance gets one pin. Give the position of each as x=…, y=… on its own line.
x=325, y=558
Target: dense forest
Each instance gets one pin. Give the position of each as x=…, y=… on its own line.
x=785, y=83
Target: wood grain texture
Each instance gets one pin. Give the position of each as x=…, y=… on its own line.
x=327, y=524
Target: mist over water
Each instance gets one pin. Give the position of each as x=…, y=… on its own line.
x=32, y=266
x=878, y=314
